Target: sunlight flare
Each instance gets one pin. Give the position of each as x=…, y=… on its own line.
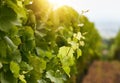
x=58, y=3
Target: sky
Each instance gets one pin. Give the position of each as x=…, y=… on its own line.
x=104, y=13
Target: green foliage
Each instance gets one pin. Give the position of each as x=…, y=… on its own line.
x=54, y=76
x=117, y=40
x=37, y=44
x=66, y=57
x=115, y=49
x=14, y=67
x=92, y=48
x=7, y=16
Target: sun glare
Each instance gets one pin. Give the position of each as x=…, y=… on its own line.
x=57, y=3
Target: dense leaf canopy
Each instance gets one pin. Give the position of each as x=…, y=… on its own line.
x=41, y=45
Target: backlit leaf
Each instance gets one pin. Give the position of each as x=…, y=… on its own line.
x=22, y=78
x=66, y=57
x=79, y=53
x=14, y=67
x=51, y=75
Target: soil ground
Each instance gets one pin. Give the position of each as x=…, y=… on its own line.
x=103, y=72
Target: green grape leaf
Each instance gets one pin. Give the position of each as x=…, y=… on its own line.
x=16, y=40
x=18, y=8
x=27, y=33
x=65, y=51
x=42, y=81
x=7, y=16
x=39, y=65
x=10, y=43
x=22, y=78
x=79, y=53
x=7, y=78
x=48, y=54
x=31, y=20
x=43, y=53
x=27, y=36
x=16, y=56
x=15, y=69
x=66, y=57
x=25, y=67
x=67, y=70
x=51, y=75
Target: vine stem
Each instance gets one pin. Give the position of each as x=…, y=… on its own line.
x=68, y=51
